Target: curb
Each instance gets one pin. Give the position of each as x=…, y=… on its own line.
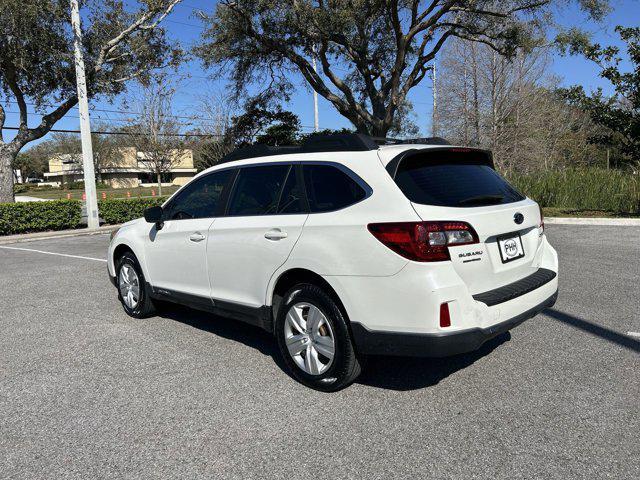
x=620, y=222
x=30, y=237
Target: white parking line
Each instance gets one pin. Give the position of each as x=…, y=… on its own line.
x=634, y=334
x=54, y=253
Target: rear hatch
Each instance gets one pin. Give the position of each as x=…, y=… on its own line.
x=461, y=184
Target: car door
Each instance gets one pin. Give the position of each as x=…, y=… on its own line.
x=176, y=252
x=264, y=219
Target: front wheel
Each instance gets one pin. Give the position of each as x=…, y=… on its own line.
x=314, y=339
x=132, y=291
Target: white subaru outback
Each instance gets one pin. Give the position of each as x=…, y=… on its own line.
x=344, y=247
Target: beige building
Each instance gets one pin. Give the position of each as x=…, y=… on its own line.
x=129, y=171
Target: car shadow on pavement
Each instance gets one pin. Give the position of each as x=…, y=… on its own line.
x=394, y=373
x=594, y=329
x=231, y=329
x=407, y=373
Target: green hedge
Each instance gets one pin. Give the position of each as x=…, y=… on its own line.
x=122, y=210
x=39, y=216
x=582, y=189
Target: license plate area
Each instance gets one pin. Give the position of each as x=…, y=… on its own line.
x=510, y=247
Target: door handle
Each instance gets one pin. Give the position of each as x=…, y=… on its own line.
x=275, y=234
x=196, y=237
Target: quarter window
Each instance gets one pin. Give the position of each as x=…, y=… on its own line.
x=257, y=190
x=329, y=188
x=200, y=198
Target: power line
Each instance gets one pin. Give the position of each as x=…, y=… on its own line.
x=201, y=120
x=63, y=130
x=186, y=117
x=193, y=25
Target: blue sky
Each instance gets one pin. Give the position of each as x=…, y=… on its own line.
x=184, y=27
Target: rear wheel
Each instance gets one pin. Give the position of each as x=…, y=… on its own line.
x=132, y=291
x=314, y=339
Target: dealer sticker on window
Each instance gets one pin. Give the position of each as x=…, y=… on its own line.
x=510, y=247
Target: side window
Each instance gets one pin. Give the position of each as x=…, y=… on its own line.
x=292, y=197
x=200, y=198
x=257, y=190
x=329, y=188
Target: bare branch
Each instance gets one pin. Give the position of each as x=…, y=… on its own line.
x=138, y=25
x=502, y=13
x=28, y=135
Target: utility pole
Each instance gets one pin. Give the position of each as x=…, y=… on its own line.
x=434, y=118
x=316, y=123
x=85, y=126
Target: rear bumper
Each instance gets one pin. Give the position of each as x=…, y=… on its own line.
x=439, y=344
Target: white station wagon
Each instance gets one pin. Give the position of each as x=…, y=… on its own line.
x=345, y=247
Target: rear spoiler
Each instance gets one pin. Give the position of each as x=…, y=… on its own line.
x=436, y=155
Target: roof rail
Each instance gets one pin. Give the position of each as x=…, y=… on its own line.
x=334, y=142
x=421, y=140
x=339, y=142
x=258, y=150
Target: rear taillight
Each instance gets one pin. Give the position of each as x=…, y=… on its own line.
x=541, y=224
x=424, y=241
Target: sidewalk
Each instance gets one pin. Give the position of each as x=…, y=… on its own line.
x=29, y=237
x=627, y=222
x=25, y=198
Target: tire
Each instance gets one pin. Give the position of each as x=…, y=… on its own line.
x=311, y=338
x=143, y=306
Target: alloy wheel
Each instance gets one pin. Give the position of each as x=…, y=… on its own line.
x=129, y=286
x=309, y=338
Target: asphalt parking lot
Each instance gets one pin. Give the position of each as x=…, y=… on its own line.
x=86, y=392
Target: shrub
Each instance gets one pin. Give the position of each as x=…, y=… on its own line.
x=80, y=185
x=20, y=188
x=39, y=216
x=582, y=189
x=122, y=210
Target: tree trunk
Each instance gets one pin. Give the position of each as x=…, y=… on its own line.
x=159, y=176
x=476, y=101
x=380, y=132
x=7, y=156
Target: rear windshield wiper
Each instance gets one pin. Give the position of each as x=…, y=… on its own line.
x=486, y=199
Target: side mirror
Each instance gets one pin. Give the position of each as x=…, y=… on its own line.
x=153, y=214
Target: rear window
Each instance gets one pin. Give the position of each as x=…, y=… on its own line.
x=257, y=190
x=460, y=182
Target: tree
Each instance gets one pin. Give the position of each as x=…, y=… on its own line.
x=263, y=123
x=155, y=133
x=620, y=113
x=259, y=122
x=107, y=149
x=36, y=48
x=510, y=106
x=215, y=122
x=383, y=46
x=32, y=163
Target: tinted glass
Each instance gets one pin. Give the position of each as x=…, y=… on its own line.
x=257, y=190
x=329, y=188
x=454, y=184
x=199, y=199
x=292, y=197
